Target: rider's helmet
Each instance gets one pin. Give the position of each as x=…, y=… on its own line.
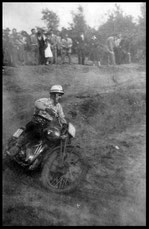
x=56, y=89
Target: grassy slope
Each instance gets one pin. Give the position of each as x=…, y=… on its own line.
x=107, y=106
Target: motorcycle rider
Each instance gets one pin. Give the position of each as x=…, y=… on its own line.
x=46, y=110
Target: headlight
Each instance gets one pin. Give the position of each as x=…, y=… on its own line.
x=49, y=132
x=53, y=134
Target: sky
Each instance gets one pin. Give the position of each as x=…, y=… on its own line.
x=25, y=15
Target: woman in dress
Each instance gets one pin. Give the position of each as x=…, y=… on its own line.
x=48, y=52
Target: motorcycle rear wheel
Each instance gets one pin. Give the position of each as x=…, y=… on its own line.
x=74, y=171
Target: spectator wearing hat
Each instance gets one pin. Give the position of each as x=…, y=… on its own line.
x=34, y=47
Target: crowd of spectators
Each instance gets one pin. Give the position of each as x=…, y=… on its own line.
x=39, y=48
x=44, y=47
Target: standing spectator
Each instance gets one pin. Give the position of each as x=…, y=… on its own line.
x=27, y=47
x=21, y=53
x=41, y=45
x=66, y=48
x=59, y=45
x=94, y=51
x=81, y=46
x=110, y=43
x=63, y=42
x=14, y=47
x=48, y=52
x=125, y=50
x=34, y=47
x=103, y=54
x=117, y=49
x=53, y=41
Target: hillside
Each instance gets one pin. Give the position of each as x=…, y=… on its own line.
x=108, y=108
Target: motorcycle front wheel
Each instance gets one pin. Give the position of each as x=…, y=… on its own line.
x=64, y=178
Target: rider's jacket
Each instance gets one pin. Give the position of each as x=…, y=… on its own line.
x=43, y=103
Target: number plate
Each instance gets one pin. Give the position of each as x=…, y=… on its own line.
x=71, y=130
x=18, y=133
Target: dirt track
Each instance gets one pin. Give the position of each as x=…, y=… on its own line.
x=107, y=106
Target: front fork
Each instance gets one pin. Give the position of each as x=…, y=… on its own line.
x=63, y=145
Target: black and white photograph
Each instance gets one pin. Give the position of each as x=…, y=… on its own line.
x=73, y=113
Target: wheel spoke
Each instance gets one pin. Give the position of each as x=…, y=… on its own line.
x=53, y=181
x=65, y=181
x=54, y=177
x=56, y=180
x=59, y=182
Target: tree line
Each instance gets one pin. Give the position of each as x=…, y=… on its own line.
x=116, y=23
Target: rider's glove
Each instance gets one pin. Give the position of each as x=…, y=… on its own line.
x=64, y=127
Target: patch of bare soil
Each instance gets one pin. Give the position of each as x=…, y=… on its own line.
x=108, y=108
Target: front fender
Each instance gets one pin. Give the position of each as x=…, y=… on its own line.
x=51, y=151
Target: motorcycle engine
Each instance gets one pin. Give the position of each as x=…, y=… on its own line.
x=34, y=151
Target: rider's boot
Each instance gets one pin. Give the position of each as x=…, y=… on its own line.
x=16, y=148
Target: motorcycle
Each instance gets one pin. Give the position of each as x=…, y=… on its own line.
x=62, y=165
